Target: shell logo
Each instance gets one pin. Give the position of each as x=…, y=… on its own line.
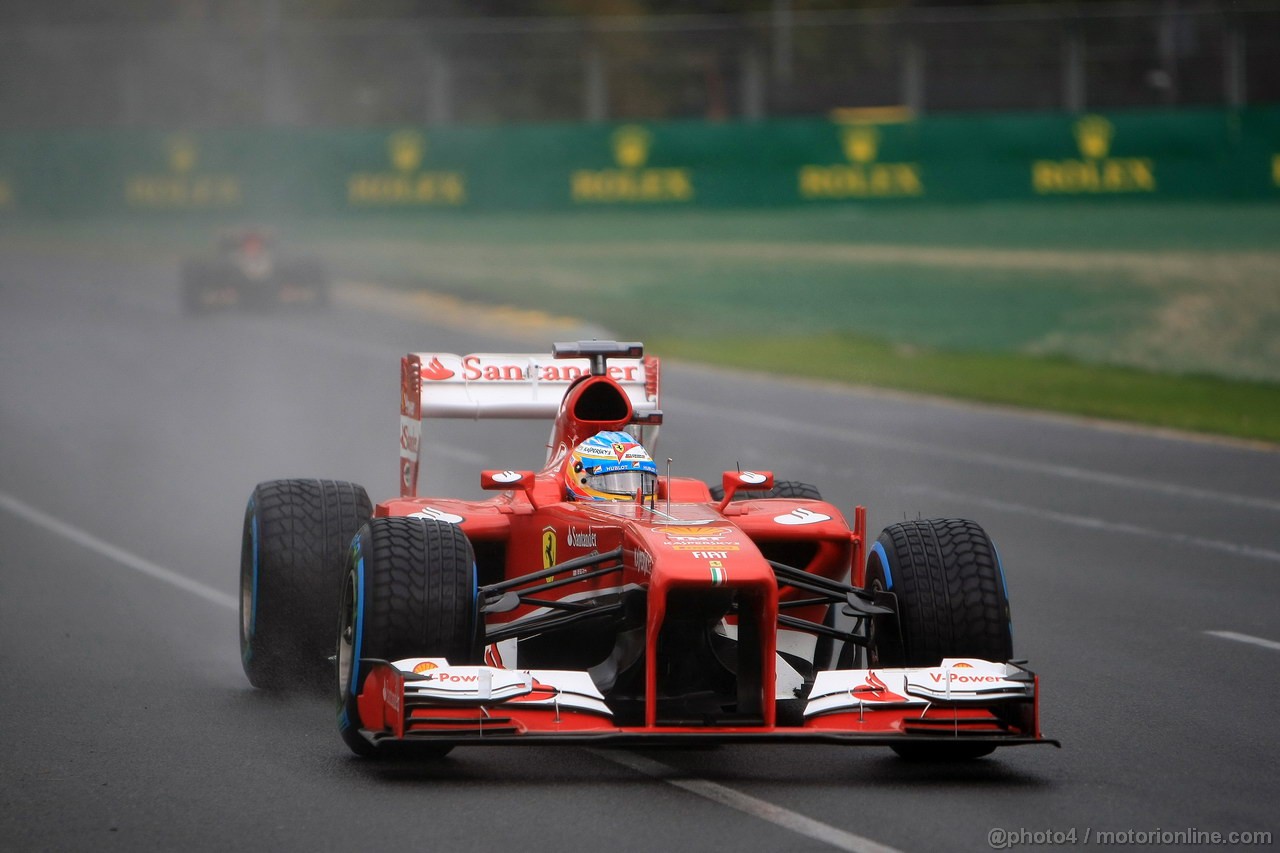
x=962, y=665
x=425, y=666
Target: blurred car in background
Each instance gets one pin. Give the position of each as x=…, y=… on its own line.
x=247, y=271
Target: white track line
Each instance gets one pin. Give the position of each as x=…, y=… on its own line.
x=1245, y=638
x=798, y=823
x=118, y=555
x=777, y=815
x=1092, y=523
x=994, y=460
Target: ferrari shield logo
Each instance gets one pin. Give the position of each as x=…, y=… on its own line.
x=548, y=548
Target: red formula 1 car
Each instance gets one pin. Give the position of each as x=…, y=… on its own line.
x=676, y=613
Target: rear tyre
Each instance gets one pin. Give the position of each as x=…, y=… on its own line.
x=951, y=602
x=306, y=281
x=781, y=489
x=195, y=275
x=410, y=591
x=293, y=556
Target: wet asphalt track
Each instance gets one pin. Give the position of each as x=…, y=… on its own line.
x=131, y=437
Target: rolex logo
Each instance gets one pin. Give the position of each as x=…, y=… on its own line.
x=182, y=154
x=631, y=146
x=1096, y=171
x=406, y=183
x=406, y=148
x=184, y=184
x=633, y=181
x=1093, y=136
x=860, y=143
x=862, y=174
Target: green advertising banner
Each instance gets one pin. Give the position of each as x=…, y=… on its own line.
x=876, y=156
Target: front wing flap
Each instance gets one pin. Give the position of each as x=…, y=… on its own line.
x=431, y=700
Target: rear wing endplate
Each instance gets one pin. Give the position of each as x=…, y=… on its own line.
x=501, y=385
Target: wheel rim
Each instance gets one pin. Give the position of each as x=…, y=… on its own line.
x=873, y=646
x=246, y=604
x=347, y=636
x=248, y=578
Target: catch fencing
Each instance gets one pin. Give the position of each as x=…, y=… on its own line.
x=279, y=71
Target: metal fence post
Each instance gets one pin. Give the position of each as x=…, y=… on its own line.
x=274, y=99
x=781, y=27
x=595, y=90
x=753, y=106
x=440, y=107
x=913, y=60
x=1073, y=79
x=1233, y=65
x=1166, y=78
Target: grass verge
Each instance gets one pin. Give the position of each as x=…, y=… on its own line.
x=1166, y=315
x=1247, y=410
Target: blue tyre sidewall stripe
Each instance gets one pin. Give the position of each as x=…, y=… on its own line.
x=878, y=549
x=1004, y=585
x=354, y=685
x=253, y=597
x=246, y=652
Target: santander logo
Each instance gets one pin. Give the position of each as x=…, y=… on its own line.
x=436, y=371
x=875, y=690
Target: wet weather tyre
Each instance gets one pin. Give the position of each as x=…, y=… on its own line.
x=194, y=281
x=951, y=602
x=296, y=537
x=410, y=591
x=313, y=276
x=781, y=489
x=950, y=591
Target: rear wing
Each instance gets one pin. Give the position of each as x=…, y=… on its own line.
x=502, y=385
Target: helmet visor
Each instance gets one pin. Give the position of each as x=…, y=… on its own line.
x=623, y=483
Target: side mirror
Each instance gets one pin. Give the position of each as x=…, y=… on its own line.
x=735, y=481
x=502, y=481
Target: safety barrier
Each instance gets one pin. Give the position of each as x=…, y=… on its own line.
x=868, y=156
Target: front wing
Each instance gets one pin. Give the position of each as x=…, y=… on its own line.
x=429, y=700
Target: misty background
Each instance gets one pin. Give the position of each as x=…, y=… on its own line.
x=200, y=64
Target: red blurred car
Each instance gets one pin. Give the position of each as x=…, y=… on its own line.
x=247, y=271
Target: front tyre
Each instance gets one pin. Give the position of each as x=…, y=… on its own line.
x=410, y=591
x=951, y=602
x=950, y=590
x=781, y=489
x=302, y=282
x=293, y=555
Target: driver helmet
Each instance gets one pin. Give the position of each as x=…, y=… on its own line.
x=610, y=466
